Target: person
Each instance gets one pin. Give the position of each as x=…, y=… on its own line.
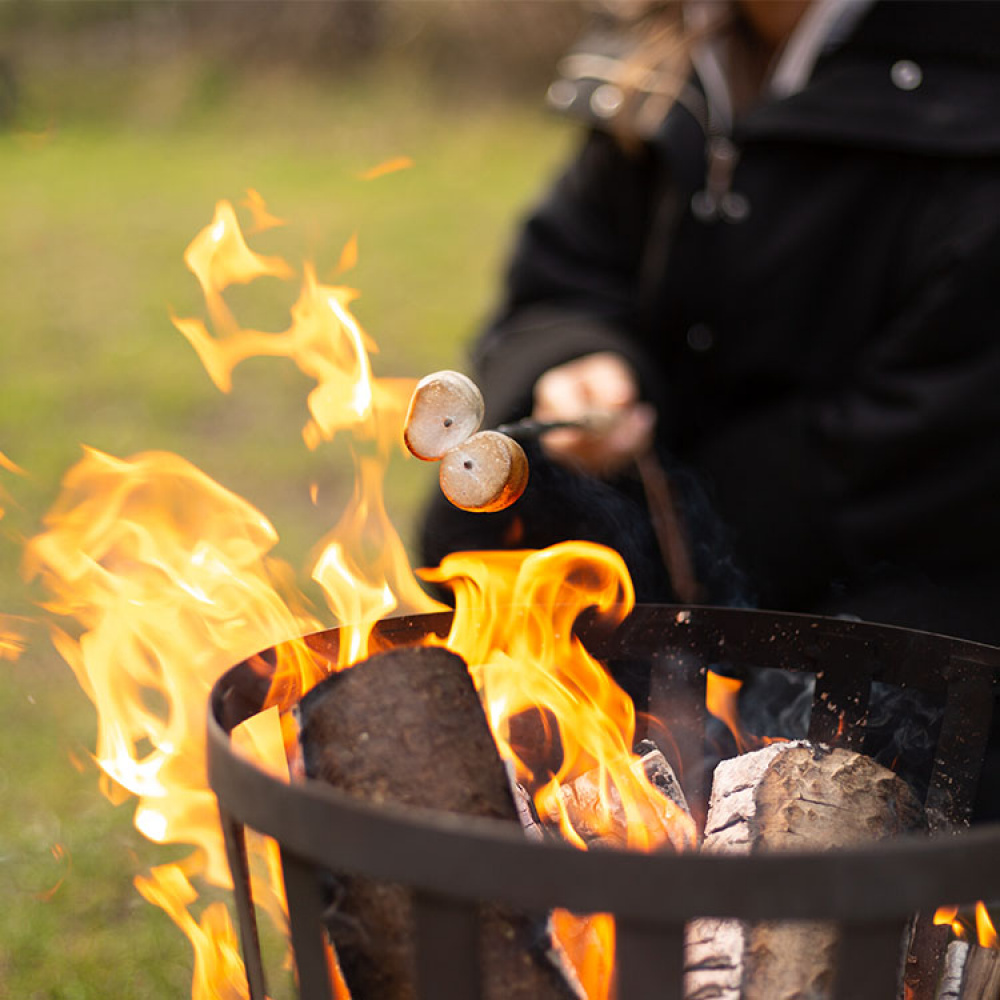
x=775, y=260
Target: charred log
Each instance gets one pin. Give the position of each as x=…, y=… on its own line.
x=789, y=796
x=406, y=727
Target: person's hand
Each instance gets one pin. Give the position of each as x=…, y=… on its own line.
x=602, y=390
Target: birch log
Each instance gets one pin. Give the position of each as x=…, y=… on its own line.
x=971, y=973
x=788, y=796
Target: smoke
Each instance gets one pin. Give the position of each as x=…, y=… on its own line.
x=901, y=730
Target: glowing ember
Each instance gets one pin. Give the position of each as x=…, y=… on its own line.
x=168, y=580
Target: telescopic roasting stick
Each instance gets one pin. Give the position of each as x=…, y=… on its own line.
x=486, y=471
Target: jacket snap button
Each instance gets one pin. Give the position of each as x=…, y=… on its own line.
x=906, y=74
x=700, y=338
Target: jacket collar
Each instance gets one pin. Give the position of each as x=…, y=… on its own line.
x=918, y=77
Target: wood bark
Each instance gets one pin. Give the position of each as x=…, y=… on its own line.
x=788, y=796
x=406, y=727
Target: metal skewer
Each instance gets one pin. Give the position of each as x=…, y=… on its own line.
x=668, y=525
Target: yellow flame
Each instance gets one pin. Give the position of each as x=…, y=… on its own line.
x=962, y=927
x=513, y=624
x=985, y=930
x=168, y=579
x=9, y=466
x=167, y=573
x=13, y=641
x=262, y=218
x=349, y=255
x=218, y=968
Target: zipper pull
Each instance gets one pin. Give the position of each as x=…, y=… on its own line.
x=715, y=200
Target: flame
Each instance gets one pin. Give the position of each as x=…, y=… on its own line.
x=962, y=926
x=162, y=578
x=985, y=930
x=513, y=625
x=262, y=218
x=8, y=466
x=949, y=915
x=721, y=696
x=13, y=641
x=348, y=256
x=392, y=166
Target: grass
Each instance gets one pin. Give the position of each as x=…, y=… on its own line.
x=96, y=212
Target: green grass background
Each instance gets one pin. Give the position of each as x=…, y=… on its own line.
x=104, y=180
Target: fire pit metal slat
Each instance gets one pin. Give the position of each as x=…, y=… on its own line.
x=234, y=836
x=964, y=733
x=464, y=860
x=305, y=917
x=840, y=700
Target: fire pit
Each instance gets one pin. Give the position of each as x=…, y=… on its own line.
x=452, y=862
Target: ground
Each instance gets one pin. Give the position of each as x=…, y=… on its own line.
x=96, y=211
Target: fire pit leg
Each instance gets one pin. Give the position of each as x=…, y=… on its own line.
x=305, y=914
x=234, y=835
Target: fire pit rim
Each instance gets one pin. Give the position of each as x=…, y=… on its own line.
x=473, y=858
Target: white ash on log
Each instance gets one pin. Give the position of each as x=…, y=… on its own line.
x=788, y=796
x=970, y=973
x=406, y=727
x=606, y=825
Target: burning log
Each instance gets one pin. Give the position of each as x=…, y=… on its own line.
x=407, y=727
x=970, y=973
x=598, y=815
x=788, y=796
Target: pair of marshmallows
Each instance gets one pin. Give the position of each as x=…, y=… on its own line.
x=482, y=471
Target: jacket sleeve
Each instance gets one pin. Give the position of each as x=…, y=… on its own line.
x=897, y=468
x=571, y=286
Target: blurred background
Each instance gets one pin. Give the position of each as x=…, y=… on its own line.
x=121, y=125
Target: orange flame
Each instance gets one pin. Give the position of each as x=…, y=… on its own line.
x=8, y=466
x=721, y=695
x=513, y=625
x=985, y=931
x=392, y=166
x=168, y=578
x=262, y=218
x=13, y=641
x=949, y=915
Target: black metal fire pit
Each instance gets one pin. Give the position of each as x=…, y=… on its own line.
x=452, y=863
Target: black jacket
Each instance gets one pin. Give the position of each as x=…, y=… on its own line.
x=822, y=337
